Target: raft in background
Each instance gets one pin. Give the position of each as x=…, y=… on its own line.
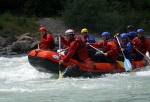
x=48, y=61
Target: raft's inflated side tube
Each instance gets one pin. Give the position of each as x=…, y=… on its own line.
x=47, y=61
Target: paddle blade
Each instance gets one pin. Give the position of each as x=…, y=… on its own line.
x=60, y=75
x=148, y=60
x=121, y=63
x=127, y=64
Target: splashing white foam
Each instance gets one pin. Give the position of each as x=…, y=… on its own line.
x=19, y=69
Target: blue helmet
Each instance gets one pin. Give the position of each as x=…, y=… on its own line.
x=132, y=35
x=124, y=35
x=107, y=34
x=140, y=31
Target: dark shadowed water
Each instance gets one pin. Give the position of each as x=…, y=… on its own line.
x=20, y=82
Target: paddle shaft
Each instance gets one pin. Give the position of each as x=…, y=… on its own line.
x=148, y=60
x=120, y=62
x=140, y=52
x=96, y=49
x=38, y=46
x=120, y=46
x=60, y=75
x=127, y=64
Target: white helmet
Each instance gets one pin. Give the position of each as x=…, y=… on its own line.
x=69, y=32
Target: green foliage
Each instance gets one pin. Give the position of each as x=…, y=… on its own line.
x=42, y=8
x=95, y=15
x=106, y=15
x=39, y=8
x=16, y=25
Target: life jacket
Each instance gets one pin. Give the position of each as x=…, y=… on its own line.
x=48, y=45
x=123, y=45
x=106, y=48
x=128, y=49
x=146, y=44
x=81, y=43
x=113, y=40
x=82, y=49
x=140, y=44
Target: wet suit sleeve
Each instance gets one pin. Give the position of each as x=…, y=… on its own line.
x=72, y=49
x=65, y=41
x=128, y=47
x=97, y=45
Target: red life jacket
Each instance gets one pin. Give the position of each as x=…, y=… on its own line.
x=116, y=43
x=142, y=44
x=78, y=48
x=146, y=42
x=82, y=50
x=47, y=42
x=81, y=43
x=108, y=49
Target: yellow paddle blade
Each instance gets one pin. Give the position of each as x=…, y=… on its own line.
x=131, y=70
x=121, y=63
x=60, y=75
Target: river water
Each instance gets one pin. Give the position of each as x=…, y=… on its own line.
x=20, y=82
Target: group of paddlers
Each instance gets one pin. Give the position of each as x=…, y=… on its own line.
x=131, y=45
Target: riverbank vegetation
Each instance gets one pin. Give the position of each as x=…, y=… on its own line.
x=11, y=24
x=107, y=15
x=96, y=15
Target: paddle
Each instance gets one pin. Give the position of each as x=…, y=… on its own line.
x=148, y=60
x=120, y=62
x=96, y=49
x=66, y=69
x=127, y=64
x=38, y=47
x=60, y=74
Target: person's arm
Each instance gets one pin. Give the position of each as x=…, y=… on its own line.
x=97, y=45
x=72, y=50
x=65, y=41
x=128, y=47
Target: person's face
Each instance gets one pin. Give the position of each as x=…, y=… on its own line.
x=84, y=34
x=104, y=38
x=124, y=39
x=42, y=32
x=128, y=30
x=68, y=37
x=139, y=35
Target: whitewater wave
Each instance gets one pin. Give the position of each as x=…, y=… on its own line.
x=19, y=69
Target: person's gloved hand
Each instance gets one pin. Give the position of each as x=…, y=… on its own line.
x=61, y=61
x=99, y=52
x=87, y=44
x=105, y=54
x=59, y=35
x=116, y=35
